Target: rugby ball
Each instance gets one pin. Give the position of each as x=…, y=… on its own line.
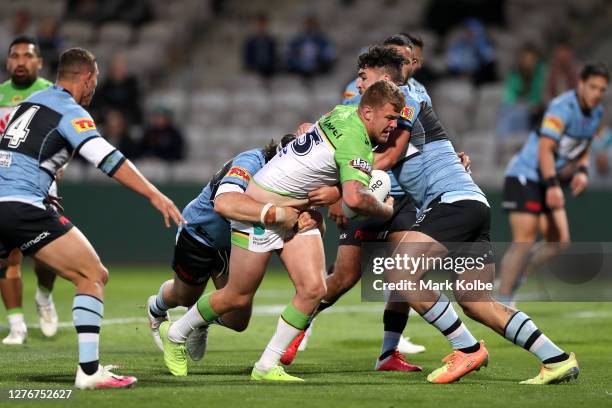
x=380, y=186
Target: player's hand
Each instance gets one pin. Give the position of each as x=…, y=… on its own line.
x=554, y=198
x=303, y=128
x=465, y=161
x=336, y=214
x=289, y=218
x=168, y=210
x=324, y=196
x=55, y=202
x=389, y=201
x=579, y=183
x=309, y=220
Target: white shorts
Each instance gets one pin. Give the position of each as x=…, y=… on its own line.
x=257, y=238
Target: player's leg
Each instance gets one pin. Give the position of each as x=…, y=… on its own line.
x=524, y=228
x=191, y=263
x=525, y=201
x=11, y=288
x=446, y=223
x=246, y=270
x=47, y=315
x=395, y=319
x=342, y=276
x=304, y=259
x=518, y=327
x=73, y=257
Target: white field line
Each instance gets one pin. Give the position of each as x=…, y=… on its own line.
x=276, y=310
x=267, y=310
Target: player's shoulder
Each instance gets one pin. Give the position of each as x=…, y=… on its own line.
x=57, y=99
x=42, y=83
x=566, y=102
x=250, y=156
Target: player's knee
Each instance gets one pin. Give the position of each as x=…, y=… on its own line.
x=242, y=301
x=313, y=290
x=99, y=275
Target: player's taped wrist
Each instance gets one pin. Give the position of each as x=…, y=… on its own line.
x=272, y=214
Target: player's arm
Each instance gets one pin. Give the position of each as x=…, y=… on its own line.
x=552, y=128
x=235, y=205
x=128, y=175
x=393, y=150
x=358, y=198
x=79, y=129
x=580, y=179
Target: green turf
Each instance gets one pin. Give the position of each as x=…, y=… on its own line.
x=337, y=366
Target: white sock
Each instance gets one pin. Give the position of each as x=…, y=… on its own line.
x=180, y=329
x=285, y=333
x=16, y=320
x=43, y=298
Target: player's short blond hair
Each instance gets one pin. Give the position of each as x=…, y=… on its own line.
x=382, y=92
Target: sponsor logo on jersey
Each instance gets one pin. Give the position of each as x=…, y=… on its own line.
x=239, y=172
x=16, y=99
x=553, y=123
x=361, y=165
x=408, y=112
x=6, y=158
x=349, y=95
x=83, y=124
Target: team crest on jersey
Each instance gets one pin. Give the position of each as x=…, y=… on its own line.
x=16, y=99
x=239, y=172
x=408, y=112
x=361, y=165
x=83, y=124
x=553, y=123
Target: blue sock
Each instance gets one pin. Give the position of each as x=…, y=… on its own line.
x=443, y=317
x=159, y=307
x=87, y=313
x=523, y=332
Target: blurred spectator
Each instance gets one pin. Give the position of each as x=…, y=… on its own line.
x=162, y=139
x=310, y=52
x=523, y=102
x=50, y=43
x=472, y=54
x=260, y=50
x=117, y=133
x=118, y=91
x=563, y=71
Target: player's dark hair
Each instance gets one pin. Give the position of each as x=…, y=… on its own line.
x=271, y=148
x=401, y=39
x=595, y=69
x=24, y=39
x=385, y=58
x=72, y=62
x=382, y=92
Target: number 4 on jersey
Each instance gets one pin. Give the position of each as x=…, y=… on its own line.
x=18, y=129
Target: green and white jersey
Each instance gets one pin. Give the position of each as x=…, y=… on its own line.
x=11, y=96
x=335, y=149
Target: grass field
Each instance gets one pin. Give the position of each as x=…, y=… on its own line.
x=337, y=366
